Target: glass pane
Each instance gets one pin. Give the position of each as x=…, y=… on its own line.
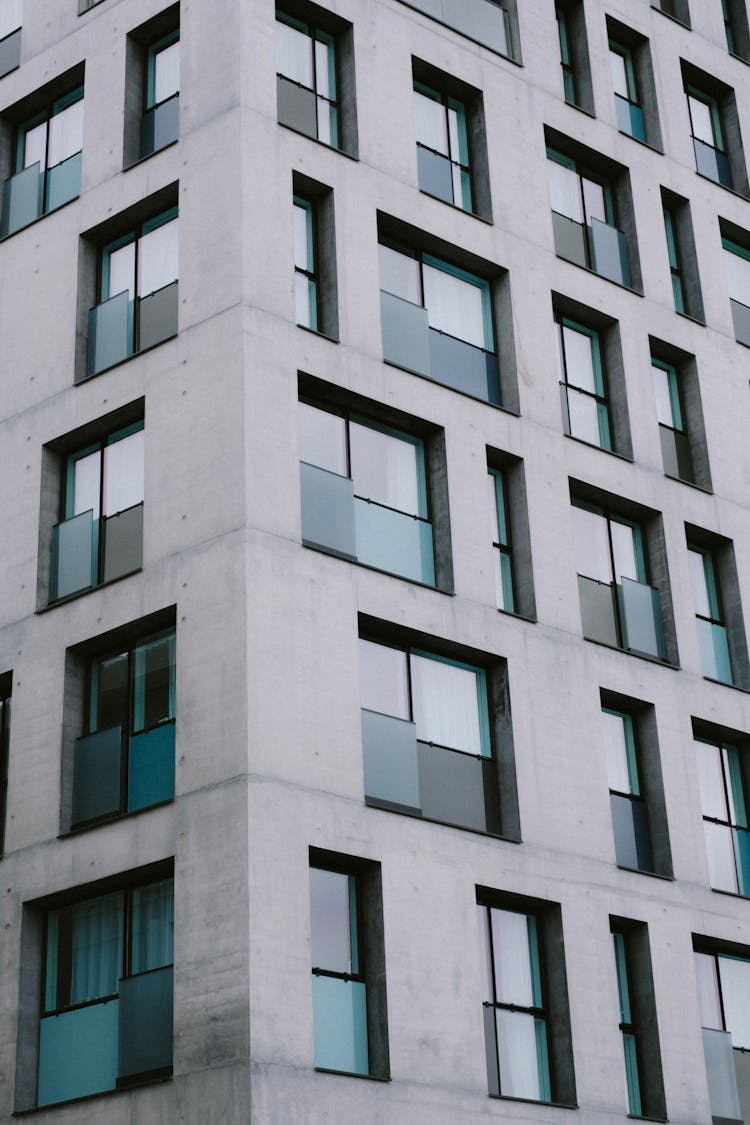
x=152, y=936
x=431, y=125
x=619, y=766
x=303, y=237
x=438, y=177
x=701, y=118
x=565, y=191
x=97, y=772
x=697, y=561
x=619, y=74
x=322, y=439
x=145, y=1029
x=151, y=767
x=512, y=960
x=445, y=704
x=663, y=397
x=389, y=750
x=305, y=302
x=384, y=468
x=154, y=688
x=734, y=974
x=485, y=959
x=65, y=134
x=109, y=692
x=584, y=418
x=327, y=510
x=383, y=679
x=399, y=274
x=640, y=610
x=331, y=945
x=722, y=872
x=123, y=473
x=121, y=271
x=503, y=571
x=167, y=72
x=340, y=1025
x=721, y=1073
x=158, y=258
x=738, y=272
x=458, y=788
x=579, y=359
x=325, y=70
x=10, y=16
x=294, y=54
x=454, y=306
x=591, y=545
x=84, y=951
x=711, y=780
x=627, y=563
x=594, y=200
x=35, y=146
x=499, y=532
x=707, y=981
x=517, y=1055
x=78, y=1053
x=86, y=481
x=393, y=541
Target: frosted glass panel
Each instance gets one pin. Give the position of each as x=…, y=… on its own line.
x=579, y=359
x=454, y=306
x=517, y=1058
x=591, y=545
x=78, y=1053
x=11, y=14
x=738, y=272
x=735, y=990
x=445, y=704
x=711, y=780
x=431, y=123
x=399, y=275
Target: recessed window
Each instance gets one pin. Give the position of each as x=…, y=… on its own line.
x=677, y=9
x=723, y=784
x=683, y=262
x=715, y=130
x=585, y=400
x=629, y=815
x=671, y=418
x=6, y=687
x=574, y=54
x=502, y=551
x=627, y=95
x=737, y=262
x=11, y=18
x=305, y=265
x=152, y=86
x=718, y=611
x=736, y=28
x=722, y=975
x=509, y=534
x=640, y=1036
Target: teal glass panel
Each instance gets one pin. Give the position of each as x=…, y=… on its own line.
x=96, y=775
x=712, y=641
x=598, y=619
x=123, y=543
x=503, y=581
x=459, y=789
x=631, y=1074
x=464, y=367
x=10, y=52
x=631, y=832
x=340, y=1024
x=405, y=334
x=435, y=174
x=22, y=199
x=741, y=321
x=542, y=1060
x=296, y=107
x=327, y=503
x=741, y=838
x=722, y=1081
x=151, y=767
x=157, y=316
x=481, y=20
x=630, y=118
x=609, y=252
x=641, y=618
x=74, y=555
x=145, y=1023
x=570, y=239
x=389, y=747
x=394, y=541
x=161, y=126
x=712, y=163
x=78, y=1053
x=110, y=332
x=63, y=182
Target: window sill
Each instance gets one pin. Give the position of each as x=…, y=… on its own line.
x=400, y=810
x=532, y=619
x=88, y=590
x=39, y=218
x=730, y=894
x=688, y=316
x=374, y=569
x=317, y=332
x=650, y=875
x=90, y=826
x=127, y=359
x=740, y=58
x=611, y=452
x=638, y=655
x=690, y=484
x=669, y=16
x=724, y=187
x=351, y=1074
x=532, y=1101
x=315, y=141
x=455, y=207
x=143, y=159
x=145, y=1081
x=627, y=288
x=454, y=390
x=581, y=109
x=723, y=683
x=644, y=144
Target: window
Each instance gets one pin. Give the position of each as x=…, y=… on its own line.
x=348, y=966
x=625, y=85
x=6, y=686
x=442, y=147
x=47, y=165
x=137, y=292
x=364, y=492
x=11, y=12
x=629, y=811
x=305, y=265
x=670, y=414
x=618, y=605
x=489, y=22
x=502, y=553
x=566, y=56
x=683, y=262
x=584, y=394
x=314, y=240
x=584, y=219
x=161, y=117
x=723, y=785
x=574, y=54
x=524, y=999
x=736, y=28
x=509, y=534
x=314, y=60
x=709, y=614
x=107, y=992
x=675, y=269
x=125, y=759
x=427, y=738
x=737, y=261
x=723, y=982
x=677, y=9
x=100, y=537
x=437, y=321
x=640, y=1037
x=715, y=130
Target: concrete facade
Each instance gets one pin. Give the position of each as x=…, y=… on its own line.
x=268, y=735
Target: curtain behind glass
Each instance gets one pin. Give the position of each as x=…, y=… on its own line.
x=445, y=704
x=153, y=927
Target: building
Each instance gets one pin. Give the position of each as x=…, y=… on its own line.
x=374, y=411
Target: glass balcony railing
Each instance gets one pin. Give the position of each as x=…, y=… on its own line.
x=405, y=331
x=630, y=118
x=32, y=193
x=151, y=767
x=722, y=1079
x=120, y=327
x=599, y=247
x=161, y=125
x=327, y=503
x=145, y=1023
x=741, y=321
x=713, y=163
x=598, y=613
x=675, y=454
x=78, y=1052
x=712, y=641
x=75, y=549
x=340, y=1024
x=10, y=52
x=423, y=779
x=97, y=775
x=626, y=615
x=296, y=106
x=439, y=177
x=123, y=543
x=482, y=20
x=631, y=832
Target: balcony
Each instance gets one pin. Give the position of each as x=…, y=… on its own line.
x=145, y=1024
x=337, y=521
x=712, y=641
x=121, y=327
x=630, y=118
x=624, y=615
x=598, y=247
x=161, y=125
x=98, y=774
x=426, y=780
x=33, y=193
x=87, y=551
x=410, y=343
x=713, y=163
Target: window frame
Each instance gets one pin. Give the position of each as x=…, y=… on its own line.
x=567, y=65
x=675, y=264
x=599, y=377
x=154, y=49
x=504, y=547
x=312, y=275
x=133, y=236
x=6, y=690
x=316, y=34
x=737, y=804
x=44, y=117
x=464, y=168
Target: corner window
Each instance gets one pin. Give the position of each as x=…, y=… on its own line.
x=723, y=785
x=107, y=996
x=584, y=395
x=11, y=13
x=364, y=492
x=442, y=147
x=437, y=321
x=527, y=1046
x=640, y=1036
x=723, y=982
x=6, y=686
x=138, y=292
x=47, y=166
x=737, y=262
x=100, y=537
x=618, y=605
x=125, y=760
x=348, y=966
